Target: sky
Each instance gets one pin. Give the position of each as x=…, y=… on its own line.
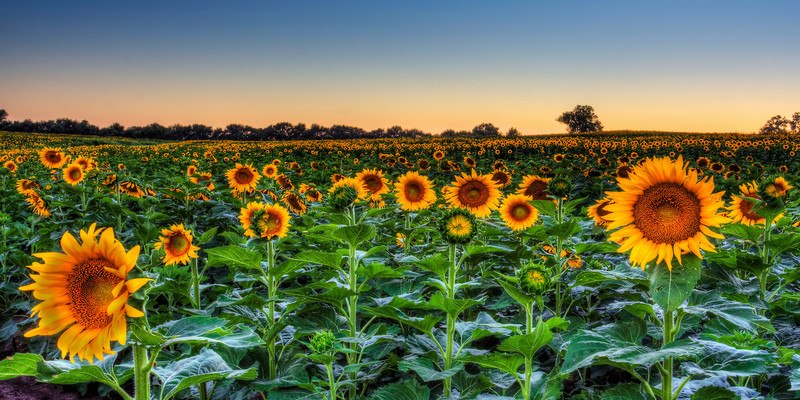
x=704, y=66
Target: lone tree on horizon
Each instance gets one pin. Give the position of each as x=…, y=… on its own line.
x=581, y=119
x=3, y=115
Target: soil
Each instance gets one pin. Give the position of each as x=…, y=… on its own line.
x=26, y=388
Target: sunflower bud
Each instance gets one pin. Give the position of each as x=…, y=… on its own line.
x=343, y=197
x=458, y=226
x=775, y=189
x=560, y=186
x=534, y=278
x=323, y=342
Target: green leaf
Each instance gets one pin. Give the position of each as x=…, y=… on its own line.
x=739, y=314
x=426, y=370
x=379, y=271
x=619, y=275
x=545, y=207
x=669, y=289
x=63, y=372
x=624, y=391
x=195, y=325
x=355, y=235
x=20, y=364
x=333, y=260
x=405, y=390
x=508, y=363
x=726, y=361
x=424, y=325
x=204, y=367
x=528, y=344
x=512, y=290
x=742, y=231
x=453, y=307
x=565, y=230
x=714, y=393
x=234, y=257
x=605, y=345
x=780, y=243
x=139, y=335
x=437, y=264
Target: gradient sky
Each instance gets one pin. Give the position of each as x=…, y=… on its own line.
x=678, y=65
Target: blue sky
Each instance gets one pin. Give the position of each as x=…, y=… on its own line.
x=681, y=65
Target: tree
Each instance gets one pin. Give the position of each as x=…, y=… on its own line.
x=3, y=115
x=513, y=133
x=485, y=130
x=581, y=119
x=795, y=123
x=775, y=125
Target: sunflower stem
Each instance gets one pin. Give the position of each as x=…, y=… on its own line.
x=669, y=335
x=451, y=321
x=271, y=289
x=141, y=372
x=195, y=285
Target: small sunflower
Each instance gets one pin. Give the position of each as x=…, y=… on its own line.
x=10, y=165
x=264, y=220
x=777, y=188
x=414, y=192
x=294, y=203
x=84, y=293
x=476, y=193
x=458, y=226
x=501, y=177
x=270, y=171
x=177, y=244
x=37, y=204
x=73, y=174
x=518, y=213
x=374, y=182
x=86, y=163
x=203, y=178
x=52, y=158
x=242, y=178
x=664, y=211
x=25, y=186
x=598, y=212
x=741, y=209
x=534, y=186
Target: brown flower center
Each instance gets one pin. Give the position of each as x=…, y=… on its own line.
x=243, y=176
x=537, y=190
x=178, y=244
x=473, y=194
x=89, y=289
x=520, y=212
x=667, y=213
x=414, y=192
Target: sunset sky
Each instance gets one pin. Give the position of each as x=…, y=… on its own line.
x=680, y=65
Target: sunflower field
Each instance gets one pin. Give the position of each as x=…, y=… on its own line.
x=613, y=266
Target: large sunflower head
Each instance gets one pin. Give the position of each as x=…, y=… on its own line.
x=264, y=220
x=37, y=203
x=25, y=186
x=414, y=191
x=598, y=212
x=518, y=213
x=664, y=211
x=52, y=158
x=73, y=174
x=243, y=178
x=534, y=186
x=86, y=163
x=458, y=226
x=478, y=194
x=84, y=292
x=374, y=182
x=177, y=244
x=294, y=203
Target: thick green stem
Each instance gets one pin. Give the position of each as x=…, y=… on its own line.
x=669, y=336
x=451, y=320
x=331, y=381
x=271, y=292
x=526, y=387
x=141, y=372
x=195, y=285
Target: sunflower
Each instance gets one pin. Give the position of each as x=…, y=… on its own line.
x=177, y=244
x=25, y=186
x=598, y=212
x=534, y=278
x=400, y=240
x=534, y=186
x=374, y=182
x=270, y=171
x=84, y=293
x=458, y=226
x=438, y=155
x=664, y=211
x=131, y=189
x=10, y=165
x=501, y=177
x=242, y=178
x=479, y=194
x=86, y=163
x=741, y=209
x=52, y=158
x=37, y=204
x=73, y=174
x=518, y=213
x=264, y=220
x=777, y=188
x=294, y=203
x=203, y=178
x=414, y=191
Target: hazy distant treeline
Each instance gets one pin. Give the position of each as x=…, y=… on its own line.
x=279, y=131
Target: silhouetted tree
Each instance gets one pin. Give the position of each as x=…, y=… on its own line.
x=775, y=125
x=513, y=132
x=794, y=124
x=581, y=119
x=3, y=115
x=485, y=130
